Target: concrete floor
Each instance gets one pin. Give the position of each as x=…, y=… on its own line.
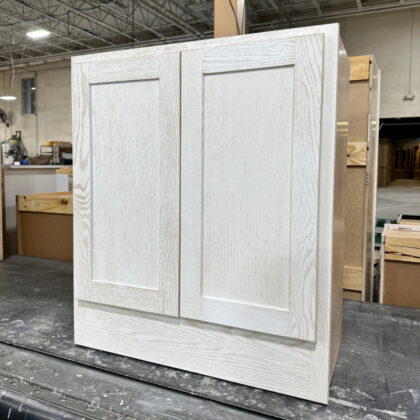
x=376, y=376
x=400, y=197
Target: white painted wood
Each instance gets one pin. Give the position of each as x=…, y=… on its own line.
x=296, y=367
x=127, y=184
x=258, y=360
x=250, y=168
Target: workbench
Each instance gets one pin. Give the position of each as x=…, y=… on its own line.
x=377, y=373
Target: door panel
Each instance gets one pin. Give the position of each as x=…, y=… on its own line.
x=250, y=153
x=127, y=184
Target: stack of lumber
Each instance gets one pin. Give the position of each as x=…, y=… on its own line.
x=45, y=225
x=400, y=280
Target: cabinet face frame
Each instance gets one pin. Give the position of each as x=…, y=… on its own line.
x=299, y=368
x=163, y=72
x=297, y=236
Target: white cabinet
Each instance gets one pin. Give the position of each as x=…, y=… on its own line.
x=208, y=215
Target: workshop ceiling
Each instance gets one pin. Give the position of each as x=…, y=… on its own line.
x=81, y=26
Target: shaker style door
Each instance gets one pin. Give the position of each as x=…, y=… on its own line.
x=126, y=183
x=249, y=187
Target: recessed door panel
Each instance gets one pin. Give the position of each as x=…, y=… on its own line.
x=250, y=153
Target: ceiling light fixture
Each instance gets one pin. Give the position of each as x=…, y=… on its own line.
x=38, y=34
x=8, y=98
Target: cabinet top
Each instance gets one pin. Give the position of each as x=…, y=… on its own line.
x=330, y=30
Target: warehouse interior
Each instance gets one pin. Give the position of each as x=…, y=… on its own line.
x=145, y=271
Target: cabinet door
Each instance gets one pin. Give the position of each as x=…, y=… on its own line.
x=249, y=187
x=126, y=183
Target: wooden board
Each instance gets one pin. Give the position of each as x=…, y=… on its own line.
x=351, y=294
x=401, y=284
x=353, y=278
x=356, y=152
x=359, y=67
x=362, y=170
x=279, y=363
x=45, y=235
x=229, y=17
x=56, y=202
x=66, y=170
x=355, y=213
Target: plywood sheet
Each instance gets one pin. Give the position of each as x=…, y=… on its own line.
x=359, y=67
x=354, y=216
x=358, y=110
x=353, y=278
x=56, y=202
x=402, y=284
x=45, y=235
x=351, y=294
x=356, y=152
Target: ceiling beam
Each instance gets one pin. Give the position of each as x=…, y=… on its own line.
x=318, y=7
x=170, y=17
x=338, y=14
x=62, y=56
x=359, y=4
x=124, y=19
x=69, y=24
x=97, y=21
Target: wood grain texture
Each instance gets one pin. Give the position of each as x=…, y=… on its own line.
x=131, y=224
x=45, y=235
x=359, y=67
x=372, y=176
x=342, y=129
x=356, y=152
x=245, y=188
x=355, y=214
x=353, y=278
x=362, y=168
x=66, y=170
x=351, y=294
x=243, y=355
x=401, y=283
x=56, y=202
x=264, y=361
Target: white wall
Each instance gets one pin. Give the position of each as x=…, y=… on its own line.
x=387, y=36
x=53, y=104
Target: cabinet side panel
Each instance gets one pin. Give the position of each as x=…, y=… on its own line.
x=372, y=168
x=339, y=191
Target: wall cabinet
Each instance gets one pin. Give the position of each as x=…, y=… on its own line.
x=208, y=206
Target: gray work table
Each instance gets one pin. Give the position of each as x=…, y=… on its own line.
x=377, y=375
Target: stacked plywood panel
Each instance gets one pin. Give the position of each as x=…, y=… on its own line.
x=361, y=177
x=400, y=274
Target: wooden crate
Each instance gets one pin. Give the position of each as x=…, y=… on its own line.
x=45, y=225
x=361, y=177
x=400, y=276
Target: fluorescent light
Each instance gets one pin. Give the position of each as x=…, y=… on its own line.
x=8, y=98
x=38, y=34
